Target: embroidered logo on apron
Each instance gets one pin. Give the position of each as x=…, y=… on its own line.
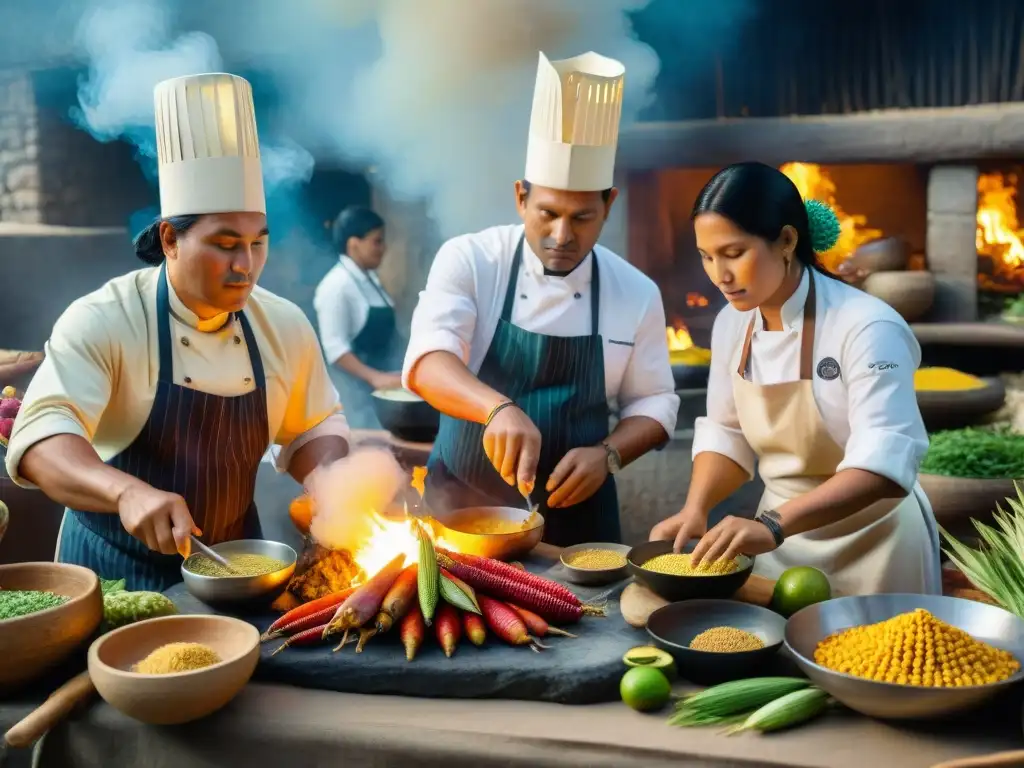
x=828, y=369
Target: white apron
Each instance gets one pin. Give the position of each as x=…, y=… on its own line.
x=890, y=546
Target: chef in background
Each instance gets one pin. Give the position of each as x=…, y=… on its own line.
x=813, y=380
x=161, y=391
x=524, y=333
x=356, y=317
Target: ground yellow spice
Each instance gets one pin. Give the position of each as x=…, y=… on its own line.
x=915, y=649
x=177, y=657
x=243, y=565
x=485, y=526
x=681, y=565
x=944, y=379
x=726, y=640
x=596, y=559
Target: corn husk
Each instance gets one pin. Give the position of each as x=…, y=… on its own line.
x=997, y=566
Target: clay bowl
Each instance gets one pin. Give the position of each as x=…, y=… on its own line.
x=5, y=518
x=953, y=409
x=887, y=254
x=958, y=500
x=33, y=644
x=909, y=293
x=179, y=697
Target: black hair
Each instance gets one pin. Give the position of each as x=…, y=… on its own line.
x=354, y=221
x=527, y=186
x=762, y=200
x=147, y=243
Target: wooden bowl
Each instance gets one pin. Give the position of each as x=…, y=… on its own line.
x=957, y=500
x=33, y=644
x=179, y=697
x=909, y=293
x=953, y=409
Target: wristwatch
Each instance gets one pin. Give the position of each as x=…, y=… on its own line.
x=614, y=459
x=771, y=520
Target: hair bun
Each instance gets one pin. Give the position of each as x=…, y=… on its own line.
x=824, y=225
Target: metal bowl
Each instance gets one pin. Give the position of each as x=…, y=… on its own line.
x=595, y=577
x=674, y=626
x=809, y=626
x=243, y=590
x=406, y=415
x=500, y=546
x=675, y=588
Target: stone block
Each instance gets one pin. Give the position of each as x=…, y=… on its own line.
x=22, y=176
x=951, y=247
x=956, y=299
x=953, y=189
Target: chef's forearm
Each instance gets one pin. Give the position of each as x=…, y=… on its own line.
x=713, y=478
x=840, y=496
x=68, y=470
x=319, y=451
x=444, y=381
x=636, y=435
x=353, y=365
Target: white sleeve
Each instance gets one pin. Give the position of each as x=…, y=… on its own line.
x=887, y=433
x=648, y=388
x=446, y=314
x=337, y=316
x=719, y=431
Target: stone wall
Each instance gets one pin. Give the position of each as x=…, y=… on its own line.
x=951, y=248
x=19, y=150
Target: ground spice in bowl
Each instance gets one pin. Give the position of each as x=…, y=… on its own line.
x=22, y=602
x=596, y=559
x=673, y=564
x=726, y=640
x=177, y=657
x=244, y=565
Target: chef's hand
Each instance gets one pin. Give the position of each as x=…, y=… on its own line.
x=687, y=523
x=512, y=444
x=577, y=476
x=731, y=537
x=383, y=380
x=158, y=519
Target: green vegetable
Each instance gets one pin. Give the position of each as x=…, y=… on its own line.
x=21, y=602
x=993, y=454
x=121, y=608
x=785, y=712
x=108, y=585
x=734, y=700
x=427, y=578
x=997, y=566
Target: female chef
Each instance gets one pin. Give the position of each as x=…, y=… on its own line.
x=161, y=391
x=357, y=317
x=813, y=379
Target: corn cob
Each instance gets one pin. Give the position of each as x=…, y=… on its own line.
x=427, y=577
x=724, y=702
x=785, y=712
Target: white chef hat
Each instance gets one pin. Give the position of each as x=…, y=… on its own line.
x=574, y=126
x=208, y=152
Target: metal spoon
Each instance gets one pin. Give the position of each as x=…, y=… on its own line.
x=211, y=554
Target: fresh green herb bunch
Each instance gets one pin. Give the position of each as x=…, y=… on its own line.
x=991, y=454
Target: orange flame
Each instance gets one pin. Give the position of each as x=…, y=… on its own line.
x=998, y=231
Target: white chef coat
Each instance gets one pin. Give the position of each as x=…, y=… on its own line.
x=99, y=377
x=342, y=302
x=870, y=410
x=459, y=309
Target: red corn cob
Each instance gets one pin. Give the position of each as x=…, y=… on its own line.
x=448, y=627
x=311, y=636
x=506, y=623
x=518, y=565
x=475, y=629
x=362, y=605
x=412, y=629
x=498, y=568
x=319, y=619
x=543, y=603
x=537, y=625
x=397, y=600
x=306, y=609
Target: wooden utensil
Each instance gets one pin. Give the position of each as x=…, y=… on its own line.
x=638, y=602
x=61, y=702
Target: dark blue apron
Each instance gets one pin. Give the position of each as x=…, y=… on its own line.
x=206, y=448
x=377, y=345
x=558, y=381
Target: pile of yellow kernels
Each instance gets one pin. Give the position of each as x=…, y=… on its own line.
x=915, y=649
x=680, y=565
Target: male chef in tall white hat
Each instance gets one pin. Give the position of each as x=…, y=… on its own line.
x=161, y=391
x=525, y=333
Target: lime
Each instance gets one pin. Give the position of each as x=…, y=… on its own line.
x=649, y=656
x=644, y=689
x=799, y=587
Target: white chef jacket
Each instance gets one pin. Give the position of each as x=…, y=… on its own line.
x=459, y=309
x=342, y=302
x=870, y=409
x=99, y=377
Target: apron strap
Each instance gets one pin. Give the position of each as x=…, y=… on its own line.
x=806, y=335
x=510, y=291
x=163, y=336
x=380, y=291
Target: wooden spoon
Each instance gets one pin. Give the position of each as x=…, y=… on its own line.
x=48, y=714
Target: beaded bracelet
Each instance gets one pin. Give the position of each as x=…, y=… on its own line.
x=496, y=410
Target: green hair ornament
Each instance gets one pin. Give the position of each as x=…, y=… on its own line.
x=824, y=225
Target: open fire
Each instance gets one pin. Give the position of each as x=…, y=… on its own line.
x=999, y=234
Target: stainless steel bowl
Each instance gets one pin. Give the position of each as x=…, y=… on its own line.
x=243, y=590
x=992, y=625
x=595, y=577
x=500, y=546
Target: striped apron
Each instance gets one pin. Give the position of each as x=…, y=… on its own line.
x=558, y=381
x=206, y=448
